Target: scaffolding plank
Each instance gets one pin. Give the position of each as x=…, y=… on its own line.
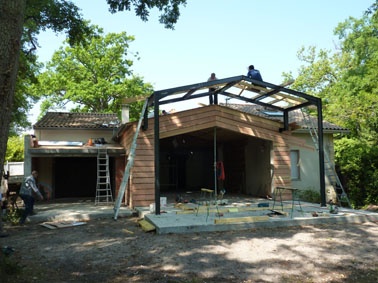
x=241, y=219
x=146, y=226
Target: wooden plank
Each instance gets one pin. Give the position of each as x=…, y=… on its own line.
x=146, y=226
x=144, y=188
x=246, y=130
x=259, y=132
x=233, y=209
x=141, y=174
x=138, y=180
x=140, y=202
x=144, y=169
x=250, y=125
x=56, y=225
x=205, y=116
x=174, y=131
x=186, y=206
x=245, y=219
x=249, y=118
x=134, y=99
x=288, y=98
x=147, y=196
x=149, y=157
x=281, y=158
x=144, y=163
x=184, y=117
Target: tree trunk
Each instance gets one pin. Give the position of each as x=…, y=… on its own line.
x=11, y=23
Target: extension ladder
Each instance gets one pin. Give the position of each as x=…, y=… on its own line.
x=329, y=167
x=130, y=163
x=103, y=188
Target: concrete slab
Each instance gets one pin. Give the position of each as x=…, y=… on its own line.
x=74, y=210
x=241, y=215
x=171, y=220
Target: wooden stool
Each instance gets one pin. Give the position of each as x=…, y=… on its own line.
x=207, y=193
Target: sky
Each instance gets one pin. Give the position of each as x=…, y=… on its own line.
x=219, y=36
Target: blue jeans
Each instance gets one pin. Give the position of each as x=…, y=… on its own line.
x=29, y=203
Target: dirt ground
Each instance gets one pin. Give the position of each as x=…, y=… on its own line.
x=105, y=250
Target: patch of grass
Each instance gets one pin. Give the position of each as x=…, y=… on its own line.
x=309, y=196
x=13, y=216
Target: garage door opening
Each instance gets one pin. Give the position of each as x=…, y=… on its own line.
x=76, y=177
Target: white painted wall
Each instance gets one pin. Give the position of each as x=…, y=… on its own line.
x=309, y=165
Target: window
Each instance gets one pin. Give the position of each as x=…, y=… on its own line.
x=294, y=164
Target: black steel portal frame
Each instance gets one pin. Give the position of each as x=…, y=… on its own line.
x=273, y=97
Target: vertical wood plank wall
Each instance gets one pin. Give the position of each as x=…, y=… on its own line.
x=142, y=178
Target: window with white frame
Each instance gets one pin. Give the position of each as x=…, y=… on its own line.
x=294, y=164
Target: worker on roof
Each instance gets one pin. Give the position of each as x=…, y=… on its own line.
x=254, y=74
x=212, y=89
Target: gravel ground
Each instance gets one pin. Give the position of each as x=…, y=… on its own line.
x=105, y=250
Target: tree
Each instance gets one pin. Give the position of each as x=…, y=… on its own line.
x=22, y=20
x=11, y=22
x=94, y=74
x=39, y=15
x=346, y=82
x=15, y=149
x=170, y=9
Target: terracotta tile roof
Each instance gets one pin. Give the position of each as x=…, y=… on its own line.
x=295, y=116
x=78, y=120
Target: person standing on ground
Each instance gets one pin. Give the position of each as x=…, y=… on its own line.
x=26, y=194
x=4, y=183
x=254, y=74
x=211, y=101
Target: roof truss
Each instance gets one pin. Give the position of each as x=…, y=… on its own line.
x=276, y=97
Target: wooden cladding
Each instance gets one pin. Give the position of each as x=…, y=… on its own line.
x=142, y=183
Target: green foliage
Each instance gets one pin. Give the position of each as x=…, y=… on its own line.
x=359, y=163
x=15, y=149
x=64, y=16
x=94, y=75
x=346, y=82
x=24, y=100
x=13, y=216
x=309, y=195
x=170, y=9
x=40, y=15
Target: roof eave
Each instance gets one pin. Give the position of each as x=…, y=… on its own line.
x=74, y=128
x=325, y=131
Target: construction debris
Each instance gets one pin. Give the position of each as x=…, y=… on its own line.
x=241, y=219
x=146, y=226
x=56, y=225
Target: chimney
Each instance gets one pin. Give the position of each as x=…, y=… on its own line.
x=125, y=115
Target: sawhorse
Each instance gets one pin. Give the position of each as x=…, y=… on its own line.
x=207, y=198
x=294, y=197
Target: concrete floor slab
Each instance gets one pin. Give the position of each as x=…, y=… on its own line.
x=241, y=215
x=172, y=220
x=75, y=210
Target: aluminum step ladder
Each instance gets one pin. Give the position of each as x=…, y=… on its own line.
x=129, y=165
x=103, y=187
x=329, y=168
